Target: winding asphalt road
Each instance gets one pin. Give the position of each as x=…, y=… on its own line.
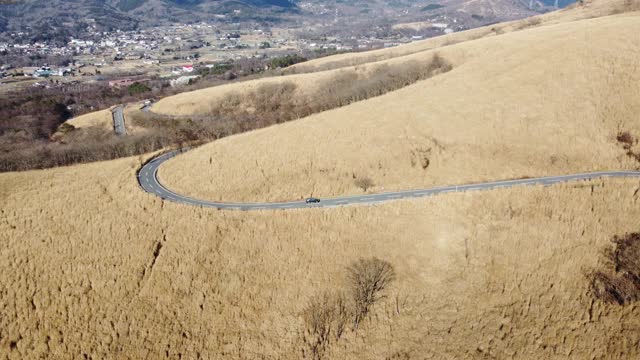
x=148, y=179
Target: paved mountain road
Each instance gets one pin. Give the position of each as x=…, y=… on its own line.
x=148, y=179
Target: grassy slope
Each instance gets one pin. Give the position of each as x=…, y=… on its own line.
x=498, y=272
x=197, y=102
x=548, y=100
x=101, y=119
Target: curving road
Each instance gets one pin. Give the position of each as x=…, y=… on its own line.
x=148, y=179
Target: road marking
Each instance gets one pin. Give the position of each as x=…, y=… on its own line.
x=342, y=201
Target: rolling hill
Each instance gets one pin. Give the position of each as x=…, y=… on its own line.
x=506, y=110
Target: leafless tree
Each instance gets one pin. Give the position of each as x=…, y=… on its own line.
x=364, y=183
x=367, y=280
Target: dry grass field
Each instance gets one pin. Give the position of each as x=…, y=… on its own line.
x=101, y=119
x=512, y=106
x=91, y=267
x=201, y=101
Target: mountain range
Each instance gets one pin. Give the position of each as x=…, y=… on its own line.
x=60, y=19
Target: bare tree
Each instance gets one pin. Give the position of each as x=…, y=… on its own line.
x=367, y=279
x=364, y=183
x=325, y=319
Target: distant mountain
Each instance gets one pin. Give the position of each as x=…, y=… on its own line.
x=55, y=18
x=60, y=19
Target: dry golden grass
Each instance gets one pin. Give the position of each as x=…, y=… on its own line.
x=201, y=101
x=497, y=273
x=544, y=101
x=101, y=119
x=92, y=267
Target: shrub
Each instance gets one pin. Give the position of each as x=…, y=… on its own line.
x=364, y=183
x=66, y=128
x=431, y=7
x=347, y=86
x=274, y=98
x=620, y=284
x=325, y=319
x=326, y=316
x=625, y=138
x=220, y=69
x=530, y=22
x=287, y=60
x=367, y=280
x=138, y=88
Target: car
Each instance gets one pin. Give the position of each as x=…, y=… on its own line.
x=312, y=200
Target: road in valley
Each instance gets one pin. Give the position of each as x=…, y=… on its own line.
x=148, y=180
x=118, y=121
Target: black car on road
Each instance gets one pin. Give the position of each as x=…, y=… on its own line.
x=312, y=200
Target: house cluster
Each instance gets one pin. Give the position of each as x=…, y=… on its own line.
x=345, y=44
x=34, y=49
x=183, y=69
x=46, y=71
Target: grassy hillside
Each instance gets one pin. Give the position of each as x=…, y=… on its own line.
x=100, y=119
x=543, y=101
x=92, y=266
